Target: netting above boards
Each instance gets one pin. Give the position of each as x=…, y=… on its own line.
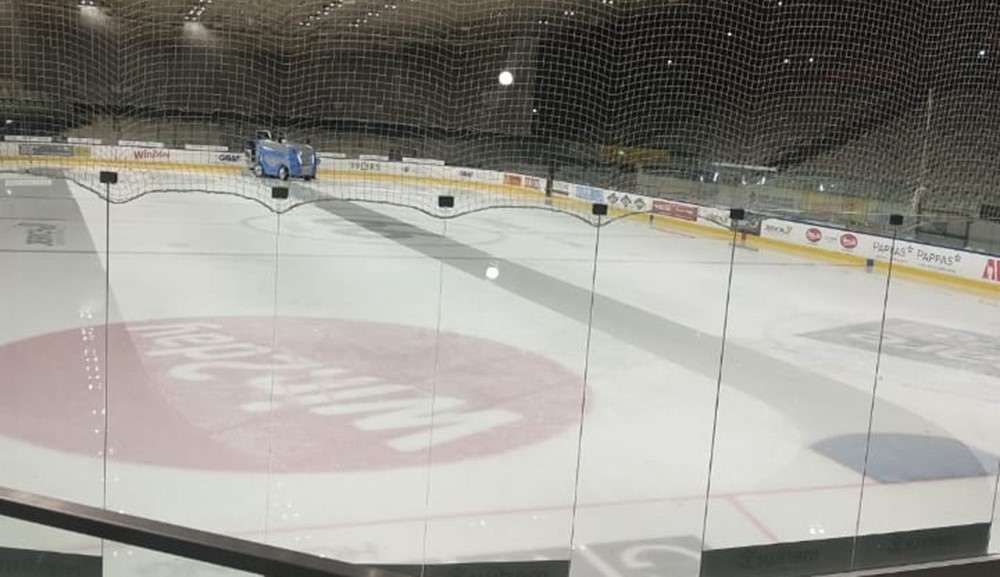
x=430, y=187
x=890, y=102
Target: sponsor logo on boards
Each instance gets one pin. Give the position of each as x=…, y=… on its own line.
x=992, y=270
x=590, y=193
x=151, y=154
x=780, y=229
x=362, y=166
x=848, y=241
x=230, y=157
x=814, y=235
x=881, y=248
x=930, y=256
x=926, y=256
x=45, y=149
x=512, y=180
x=675, y=210
x=465, y=173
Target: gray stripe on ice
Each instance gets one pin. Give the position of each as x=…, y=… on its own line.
x=821, y=406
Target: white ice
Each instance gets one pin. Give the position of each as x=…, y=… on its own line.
x=637, y=469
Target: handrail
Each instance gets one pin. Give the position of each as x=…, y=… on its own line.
x=172, y=539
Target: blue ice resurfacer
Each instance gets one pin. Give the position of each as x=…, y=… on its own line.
x=279, y=158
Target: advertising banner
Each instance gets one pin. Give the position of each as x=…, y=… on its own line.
x=206, y=147
x=928, y=257
x=632, y=202
x=675, y=210
x=148, y=154
x=159, y=155
x=17, y=138
x=141, y=143
x=364, y=166
x=417, y=169
x=959, y=263
x=831, y=239
x=472, y=174
x=776, y=229
x=562, y=188
x=589, y=193
x=991, y=270
x=512, y=179
x=718, y=217
x=40, y=149
x=228, y=158
x=433, y=161
x=52, y=149
x=534, y=183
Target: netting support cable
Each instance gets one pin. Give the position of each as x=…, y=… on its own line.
x=872, y=405
x=718, y=391
x=583, y=392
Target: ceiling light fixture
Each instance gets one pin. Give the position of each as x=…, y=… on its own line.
x=195, y=12
x=322, y=12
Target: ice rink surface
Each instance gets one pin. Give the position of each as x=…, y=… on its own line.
x=344, y=379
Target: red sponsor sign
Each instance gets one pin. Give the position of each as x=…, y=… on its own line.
x=814, y=235
x=992, y=270
x=512, y=179
x=151, y=154
x=327, y=395
x=675, y=210
x=848, y=241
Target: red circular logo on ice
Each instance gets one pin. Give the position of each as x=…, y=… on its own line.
x=814, y=235
x=287, y=394
x=848, y=241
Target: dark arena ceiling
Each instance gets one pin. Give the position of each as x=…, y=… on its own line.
x=890, y=92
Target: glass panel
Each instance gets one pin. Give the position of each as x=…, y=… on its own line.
x=995, y=535
x=510, y=369
x=356, y=324
x=939, y=361
x=120, y=560
x=29, y=550
x=52, y=311
x=652, y=375
x=191, y=350
x=795, y=401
